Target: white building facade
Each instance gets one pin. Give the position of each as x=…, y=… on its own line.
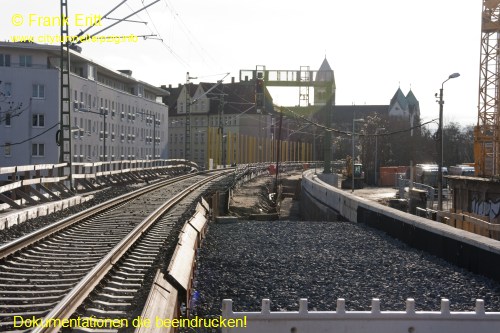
x=114, y=116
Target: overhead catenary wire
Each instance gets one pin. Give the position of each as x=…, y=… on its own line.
x=112, y=25
x=161, y=39
x=105, y=16
x=31, y=138
x=334, y=130
x=190, y=36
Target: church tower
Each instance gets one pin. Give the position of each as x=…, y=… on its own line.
x=324, y=88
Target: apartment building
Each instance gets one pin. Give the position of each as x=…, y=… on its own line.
x=114, y=116
x=225, y=126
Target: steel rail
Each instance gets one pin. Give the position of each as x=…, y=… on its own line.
x=68, y=305
x=31, y=238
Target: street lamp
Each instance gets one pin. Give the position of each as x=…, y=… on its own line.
x=352, y=158
x=440, y=145
x=376, y=152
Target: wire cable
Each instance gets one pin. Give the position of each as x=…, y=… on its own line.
x=33, y=137
x=334, y=130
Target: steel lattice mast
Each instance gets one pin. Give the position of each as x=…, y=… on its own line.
x=487, y=131
x=64, y=134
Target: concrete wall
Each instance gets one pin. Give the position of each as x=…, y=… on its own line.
x=476, y=253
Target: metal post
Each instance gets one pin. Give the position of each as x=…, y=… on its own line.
x=221, y=128
x=352, y=158
x=376, y=153
x=376, y=161
x=440, y=144
x=278, y=152
x=440, y=150
x=64, y=133
x=314, y=148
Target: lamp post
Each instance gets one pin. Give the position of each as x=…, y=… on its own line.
x=314, y=148
x=352, y=158
x=440, y=145
x=376, y=152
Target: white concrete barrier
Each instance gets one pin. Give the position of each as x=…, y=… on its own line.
x=25, y=214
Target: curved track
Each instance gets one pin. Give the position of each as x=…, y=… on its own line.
x=39, y=279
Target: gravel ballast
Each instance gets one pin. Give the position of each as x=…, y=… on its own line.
x=322, y=261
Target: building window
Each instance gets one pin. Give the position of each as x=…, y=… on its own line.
x=38, y=120
x=7, y=149
x=7, y=119
x=37, y=149
x=25, y=61
x=38, y=91
x=4, y=60
x=7, y=89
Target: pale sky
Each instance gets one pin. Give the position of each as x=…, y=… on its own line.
x=372, y=46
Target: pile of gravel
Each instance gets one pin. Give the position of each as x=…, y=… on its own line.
x=322, y=261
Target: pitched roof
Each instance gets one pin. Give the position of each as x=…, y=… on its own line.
x=325, y=72
x=325, y=66
x=400, y=98
x=239, y=97
x=412, y=100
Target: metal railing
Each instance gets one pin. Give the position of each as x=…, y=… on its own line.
x=404, y=185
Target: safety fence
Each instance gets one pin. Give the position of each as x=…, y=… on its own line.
x=374, y=321
x=33, y=184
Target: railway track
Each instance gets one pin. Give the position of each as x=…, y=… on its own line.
x=49, y=273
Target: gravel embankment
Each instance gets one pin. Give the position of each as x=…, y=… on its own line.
x=322, y=261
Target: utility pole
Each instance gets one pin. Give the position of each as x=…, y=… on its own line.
x=278, y=152
x=260, y=107
x=187, y=139
x=221, y=127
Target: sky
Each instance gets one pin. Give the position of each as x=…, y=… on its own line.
x=374, y=47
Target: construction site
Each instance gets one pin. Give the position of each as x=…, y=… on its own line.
x=476, y=200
